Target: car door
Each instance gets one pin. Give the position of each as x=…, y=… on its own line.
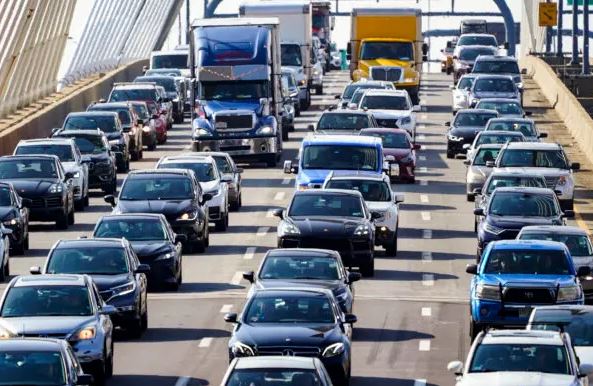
x=23, y=211
x=171, y=236
x=84, y=167
x=141, y=280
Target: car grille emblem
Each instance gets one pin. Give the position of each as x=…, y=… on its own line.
x=288, y=353
x=326, y=230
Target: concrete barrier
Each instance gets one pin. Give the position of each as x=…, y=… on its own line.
x=40, y=123
x=568, y=107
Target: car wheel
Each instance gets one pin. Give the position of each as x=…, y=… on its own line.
x=152, y=146
x=368, y=268
x=140, y=153
x=99, y=372
x=4, y=271
x=109, y=364
x=26, y=242
x=235, y=205
x=79, y=205
x=62, y=221
x=450, y=154
x=470, y=197
x=87, y=199
x=200, y=246
x=297, y=111
x=19, y=248
x=284, y=133
x=134, y=328
x=144, y=321
x=71, y=217
x=319, y=90
x=222, y=224
x=271, y=161
x=134, y=156
x=391, y=248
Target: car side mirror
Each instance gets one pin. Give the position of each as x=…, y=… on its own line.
x=226, y=178
x=350, y=319
x=471, y=269
x=311, y=127
x=477, y=192
x=353, y=277
x=278, y=213
x=140, y=122
x=85, y=159
x=376, y=215
x=337, y=96
x=180, y=239
x=416, y=108
x=206, y=197
x=568, y=213
x=108, y=309
x=231, y=317
x=490, y=164
x=249, y=276
x=142, y=268
x=69, y=175
x=584, y=271
x=239, y=170
x=575, y=166
x=523, y=71
x=85, y=379
x=455, y=367
x=448, y=123
x=289, y=168
x=35, y=270
x=479, y=211
x=398, y=198
x=352, y=106
x=466, y=146
x=467, y=162
x=110, y=199
x=585, y=369
x=55, y=130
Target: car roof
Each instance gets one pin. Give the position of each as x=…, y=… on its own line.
x=493, y=76
x=506, y=100
x=534, y=145
x=56, y=141
x=554, y=229
x=274, y=362
x=111, y=104
x=383, y=92
x=563, y=309
x=342, y=139
x=523, y=337
x=300, y=292
x=30, y=156
x=382, y=130
x=470, y=75
x=475, y=34
x=369, y=82
x=134, y=85
x=85, y=243
x=346, y=192
x=497, y=58
x=49, y=280
x=495, y=146
x=31, y=344
x=515, y=173
x=93, y=114
x=346, y=112
x=476, y=46
x=524, y=190
x=355, y=174
x=186, y=158
x=314, y=252
x=528, y=244
x=476, y=111
x=71, y=132
x=179, y=172
x=131, y=216
x=511, y=119
x=205, y=153
x=500, y=132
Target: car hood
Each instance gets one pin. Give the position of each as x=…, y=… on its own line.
x=300, y=283
x=212, y=107
x=336, y=132
x=114, y=135
x=518, y=222
x=166, y=207
x=288, y=334
x=481, y=170
x=397, y=153
x=45, y=324
x=379, y=206
x=150, y=248
x=31, y=186
x=466, y=131
x=546, y=172
x=504, y=378
x=5, y=210
x=494, y=94
x=209, y=185
x=318, y=226
x=527, y=280
x=104, y=282
x=382, y=62
x=71, y=167
x=390, y=114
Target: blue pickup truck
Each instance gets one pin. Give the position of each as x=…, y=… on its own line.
x=238, y=90
x=320, y=154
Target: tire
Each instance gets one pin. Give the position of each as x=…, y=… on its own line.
x=234, y=207
x=284, y=133
x=99, y=372
x=450, y=155
x=87, y=199
x=368, y=269
x=140, y=153
x=319, y=90
x=26, y=242
x=19, y=249
x=391, y=248
x=567, y=205
x=134, y=328
x=109, y=364
x=470, y=197
x=144, y=320
x=152, y=146
x=71, y=217
x=134, y=156
x=111, y=188
x=3, y=272
x=62, y=222
x=79, y=205
x=222, y=224
x=199, y=246
x=297, y=110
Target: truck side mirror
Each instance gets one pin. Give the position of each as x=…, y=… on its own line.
x=424, y=49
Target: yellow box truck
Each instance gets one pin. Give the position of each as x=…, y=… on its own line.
x=387, y=44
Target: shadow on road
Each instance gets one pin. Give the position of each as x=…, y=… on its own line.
x=151, y=380
x=362, y=334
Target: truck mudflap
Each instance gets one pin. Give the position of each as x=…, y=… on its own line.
x=244, y=149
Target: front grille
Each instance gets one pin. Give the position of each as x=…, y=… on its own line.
x=235, y=148
x=242, y=121
x=50, y=202
x=301, y=351
x=509, y=234
x=41, y=335
x=319, y=242
x=529, y=295
x=390, y=123
x=391, y=74
x=551, y=182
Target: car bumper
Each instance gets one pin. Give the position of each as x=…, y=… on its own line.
x=384, y=234
x=243, y=148
x=89, y=351
x=353, y=252
x=48, y=210
x=337, y=368
x=456, y=147
x=191, y=229
x=162, y=271
x=303, y=91
x=493, y=313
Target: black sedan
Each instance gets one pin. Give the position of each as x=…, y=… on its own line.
x=305, y=268
x=153, y=241
x=175, y=193
x=14, y=215
x=330, y=219
x=41, y=179
x=288, y=322
x=466, y=125
x=115, y=269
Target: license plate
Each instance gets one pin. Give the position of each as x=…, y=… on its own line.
x=221, y=125
x=524, y=312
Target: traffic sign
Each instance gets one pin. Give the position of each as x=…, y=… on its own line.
x=548, y=14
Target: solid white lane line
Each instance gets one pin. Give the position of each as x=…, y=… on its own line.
x=279, y=196
x=427, y=279
x=424, y=345
x=226, y=308
x=205, y=342
x=426, y=257
x=237, y=278
x=425, y=216
x=262, y=231
x=423, y=169
x=426, y=311
x=422, y=158
x=423, y=182
x=286, y=181
x=182, y=381
x=419, y=382
x=249, y=253
x=427, y=234
x=424, y=198
x=420, y=137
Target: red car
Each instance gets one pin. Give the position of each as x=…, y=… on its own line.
x=158, y=121
x=398, y=144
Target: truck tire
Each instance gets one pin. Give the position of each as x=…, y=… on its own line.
x=284, y=133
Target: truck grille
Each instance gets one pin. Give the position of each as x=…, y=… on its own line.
x=529, y=295
x=233, y=122
x=391, y=74
x=301, y=351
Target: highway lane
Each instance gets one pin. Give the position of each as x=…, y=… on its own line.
x=413, y=315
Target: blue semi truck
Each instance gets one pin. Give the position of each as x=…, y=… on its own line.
x=238, y=88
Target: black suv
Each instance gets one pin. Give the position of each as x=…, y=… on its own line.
x=330, y=219
x=175, y=193
x=95, y=150
x=42, y=180
x=466, y=125
x=14, y=215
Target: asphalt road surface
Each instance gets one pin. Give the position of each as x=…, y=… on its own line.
x=412, y=316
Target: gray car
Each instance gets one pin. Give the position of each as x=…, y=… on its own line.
x=477, y=169
x=493, y=86
x=525, y=126
x=506, y=107
x=67, y=307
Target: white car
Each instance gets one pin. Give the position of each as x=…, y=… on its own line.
x=211, y=181
x=70, y=157
x=317, y=76
x=477, y=170
x=392, y=109
x=461, y=92
x=377, y=193
x=521, y=357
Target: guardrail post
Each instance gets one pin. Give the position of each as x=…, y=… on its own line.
x=586, y=70
x=575, y=33
x=559, y=29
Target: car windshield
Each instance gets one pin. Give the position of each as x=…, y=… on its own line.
x=156, y=188
x=533, y=158
x=470, y=54
x=300, y=267
x=494, y=85
x=384, y=102
x=122, y=112
x=371, y=190
x=164, y=71
x=288, y=78
x=496, y=67
x=106, y=124
x=473, y=40
x=527, y=262
x=273, y=377
x=525, y=128
x=223, y=164
x=503, y=108
x=63, y=152
x=523, y=204
x=465, y=83
x=133, y=229
x=89, y=144
x=473, y=119
x=28, y=168
x=5, y=196
x=51, y=300
x=343, y=121
x=133, y=94
x=204, y=171
x=313, y=308
x=233, y=90
x=578, y=245
x=511, y=181
x=497, y=139
x=326, y=205
x=579, y=326
x=387, y=50
x=541, y=358
x=291, y=55
x=88, y=260
x=392, y=140
x=167, y=82
x=485, y=155
x=35, y=367
x=141, y=111
x=338, y=157
x=350, y=89
x=179, y=60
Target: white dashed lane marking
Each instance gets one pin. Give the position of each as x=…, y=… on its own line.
x=286, y=181
x=279, y=196
x=237, y=278
x=422, y=158
x=426, y=311
x=427, y=234
x=425, y=216
x=262, y=231
x=249, y=253
x=226, y=308
x=205, y=342
x=424, y=198
x=423, y=182
x=182, y=381
x=419, y=382
x=426, y=257
x=428, y=279
x=424, y=345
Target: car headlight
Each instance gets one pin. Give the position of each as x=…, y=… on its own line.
x=492, y=229
x=409, y=80
x=114, y=141
x=362, y=230
x=166, y=256
x=56, y=188
x=241, y=349
x=146, y=129
x=188, y=216
x=568, y=294
x=520, y=85
x=333, y=350
x=316, y=72
x=406, y=120
x=487, y=292
x=9, y=221
x=302, y=82
x=287, y=228
x=76, y=175
x=474, y=101
x=86, y=333
x=454, y=138
x=561, y=181
x=265, y=130
x=124, y=289
x=203, y=133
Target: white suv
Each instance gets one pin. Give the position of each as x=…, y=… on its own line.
x=391, y=108
x=521, y=357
